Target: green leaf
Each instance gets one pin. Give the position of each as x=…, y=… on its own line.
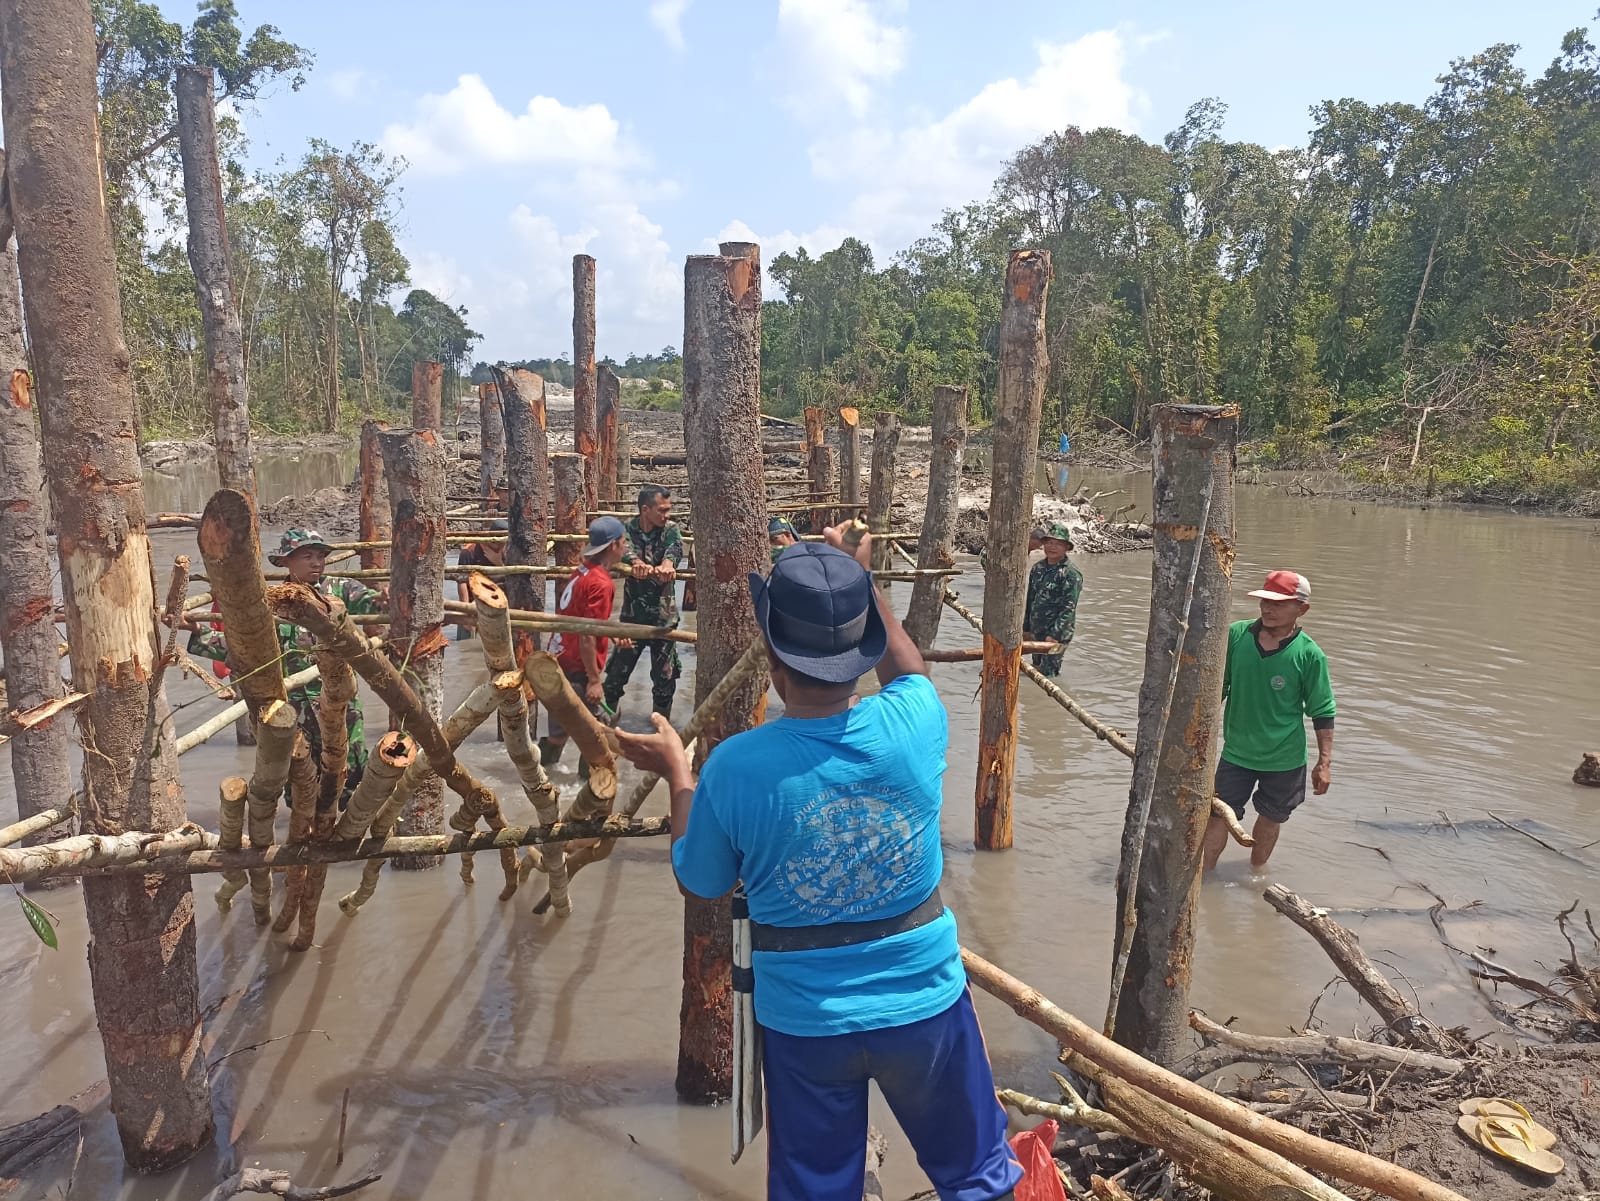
x=40, y=921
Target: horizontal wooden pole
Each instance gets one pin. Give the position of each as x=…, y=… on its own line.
x=622, y=573
x=194, y=851
x=17, y=831
x=909, y=537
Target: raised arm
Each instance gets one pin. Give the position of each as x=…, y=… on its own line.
x=902, y=657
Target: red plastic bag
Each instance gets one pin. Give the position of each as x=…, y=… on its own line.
x=1040, y=1182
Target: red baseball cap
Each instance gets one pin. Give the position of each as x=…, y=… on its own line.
x=1285, y=585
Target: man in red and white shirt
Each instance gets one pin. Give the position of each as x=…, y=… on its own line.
x=588, y=593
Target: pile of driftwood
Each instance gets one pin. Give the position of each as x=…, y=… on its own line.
x=1312, y=1114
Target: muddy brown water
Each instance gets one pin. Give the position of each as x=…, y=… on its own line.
x=490, y=1053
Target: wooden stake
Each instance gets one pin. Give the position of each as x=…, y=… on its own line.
x=142, y=968
x=880, y=490
x=1174, y=768
x=567, y=470
x=585, y=437
x=936, y=548
x=1024, y=365
x=850, y=458
x=528, y=473
x=230, y=547
x=373, y=516
x=624, y=452
x=492, y=439
x=608, y=404
x=427, y=394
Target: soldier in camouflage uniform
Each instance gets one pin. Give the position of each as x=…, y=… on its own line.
x=1054, y=586
x=304, y=553
x=652, y=558
x=781, y=536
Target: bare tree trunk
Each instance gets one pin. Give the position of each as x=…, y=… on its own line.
x=722, y=436
x=374, y=506
x=330, y=418
x=1024, y=367
x=1176, y=750
x=1416, y=312
x=213, y=279
x=849, y=458
x=880, y=489
x=605, y=461
x=585, y=439
x=567, y=471
x=427, y=394
x=491, y=438
x=40, y=765
x=141, y=928
x=414, y=463
x=936, y=548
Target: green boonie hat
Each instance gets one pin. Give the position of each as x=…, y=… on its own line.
x=1059, y=531
x=294, y=540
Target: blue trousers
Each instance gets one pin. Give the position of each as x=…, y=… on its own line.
x=936, y=1078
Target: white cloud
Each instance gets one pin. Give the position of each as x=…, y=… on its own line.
x=839, y=51
x=467, y=127
x=352, y=84
x=907, y=176
x=667, y=17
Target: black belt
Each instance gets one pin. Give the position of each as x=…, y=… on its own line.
x=844, y=934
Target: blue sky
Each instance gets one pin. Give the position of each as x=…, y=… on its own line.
x=641, y=131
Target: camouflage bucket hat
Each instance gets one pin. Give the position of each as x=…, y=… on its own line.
x=1059, y=531
x=294, y=540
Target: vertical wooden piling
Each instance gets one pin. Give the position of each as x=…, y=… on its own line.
x=819, y=463
x=427, y=395
x=936, y=546
x=608, y=403
x=722, y=441
x=1169, y=804
x=585, y=438
x=528, y=474
x=880, y=489
x=566, y=471
x=41, y=766
x=1024, y=365
x=213, y=279
x=414, y=462
x=491, y=440
x=850, y=458
x=141, y=928
x=373, y=515
x=624, y=465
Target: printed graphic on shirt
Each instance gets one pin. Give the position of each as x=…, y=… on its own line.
x=1277, y=683
x=853, y=858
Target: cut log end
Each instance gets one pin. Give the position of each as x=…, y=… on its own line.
x=486, y=592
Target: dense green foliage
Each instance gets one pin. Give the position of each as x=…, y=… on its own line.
x=1414, y=290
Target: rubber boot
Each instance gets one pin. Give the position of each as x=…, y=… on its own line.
x=550, y=752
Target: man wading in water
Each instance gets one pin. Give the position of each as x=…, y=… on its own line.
x=653, y=553
x=1275, y=677
x=830, y=817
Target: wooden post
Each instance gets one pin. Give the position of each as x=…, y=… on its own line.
x=608, y=402
x=427, y=395
x=624, y=453
x=528, y=474
x=40, y=764
x=491, y=440
x=373, y=515
x=567, y=473
x=849, y=458
x=1024, y=364
x=414, y=463
x=936, y=547
x=819, y=461
x=141, y=928
x=1176, y=750
x=585, y=437
x=213, y=279
x=722, y=438
x=880, y=489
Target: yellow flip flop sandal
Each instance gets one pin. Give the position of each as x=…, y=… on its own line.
x=1499, y=1107
x=1510, y=1140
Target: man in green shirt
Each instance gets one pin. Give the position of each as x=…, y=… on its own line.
x=1275, y=677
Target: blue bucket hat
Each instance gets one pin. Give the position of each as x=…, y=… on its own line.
x=603, y=531
x=818, y=614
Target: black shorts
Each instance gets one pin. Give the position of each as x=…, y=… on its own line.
x=1277, y=793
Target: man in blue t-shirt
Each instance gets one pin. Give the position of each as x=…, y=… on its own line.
x=830, y=817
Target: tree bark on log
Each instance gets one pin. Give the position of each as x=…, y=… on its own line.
x=1174, y=767
x=585, y=436
x=213, y=278
x=1322, y=1048
x=276, y=735
x=528, y=473
x=1293, y=1144
x=1024, y=366
x=302, y=813
x=338, y=690
x=373, y=515
x=141, y=930
x=230, y=547
x=880, y=489
x=427, y=395
x=722, y=440
x=567, y=472
x=491, y=439
x=608, y=403
x=40, y=764
x=850, y=458
x=936, y=549
x=819, y=463
x=624, y=460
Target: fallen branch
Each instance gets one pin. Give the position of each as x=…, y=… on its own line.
x=1322, y=1048
x=1221, y=808
x=279, y=1184
x=17, y=831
